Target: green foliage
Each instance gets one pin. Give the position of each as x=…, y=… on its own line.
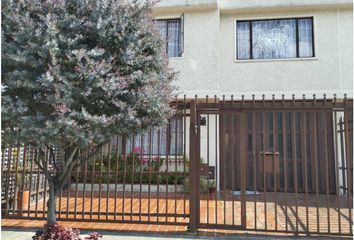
x=133, y=168
x=78, y=72
x=205, y=184
x=75, y=73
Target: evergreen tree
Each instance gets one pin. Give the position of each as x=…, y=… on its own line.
x=77, y=72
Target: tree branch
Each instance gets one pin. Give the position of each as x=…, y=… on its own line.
x=53, y=157
x=63, y=179
x=44, y=167
x=91, y=155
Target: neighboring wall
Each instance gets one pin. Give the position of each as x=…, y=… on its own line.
x=208, y=65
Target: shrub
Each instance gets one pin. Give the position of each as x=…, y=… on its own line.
x=93, y=236
x=55, y=231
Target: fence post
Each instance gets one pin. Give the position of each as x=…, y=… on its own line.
x=193, y=172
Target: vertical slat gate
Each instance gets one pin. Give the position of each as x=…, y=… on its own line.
x=288, y=163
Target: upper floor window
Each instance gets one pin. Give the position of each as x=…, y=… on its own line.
x=274, y=39
x=172, y=31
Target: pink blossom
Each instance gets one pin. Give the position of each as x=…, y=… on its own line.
x=136, y=149
x=61, y=109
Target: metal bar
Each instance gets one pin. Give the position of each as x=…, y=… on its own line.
x=60, y=197
x=193, y=170
x=314, y=134
x=76, y=190
x=198, y=135
x=349, y=167
x=304, y=160
x=46, y=160
x=341, y=123
x=184, y=151
x=92, y=183
x=208, y=161
x=326, y=168
x=109, y=176
x=275, y=135
x=141, y=172
x=254, y=137
x=168, y=131
x=224, y=164
x=233, y=145
x=294, y=161
x=336, y=159
x=132, y=178
x=176, y=129
x=100, y=185
x=24, y=172
x=264, y=168
x=216, y=163
x=125, y=173
x=149, y=178
x=15, y=180
x=38, y=180
x=243, y=157
x=30, y=183
x=285, y=160
x=84, y=187
x=116, y=178
x=158, y=173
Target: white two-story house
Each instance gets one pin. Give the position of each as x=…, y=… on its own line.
x=259, y=46
x=276, y=48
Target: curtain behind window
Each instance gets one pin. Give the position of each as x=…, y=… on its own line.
x=173, y=38
x=162, y=27
x=156, y=142
x=305, y=38
x=274, y=39
x=271, y=39
x=170, y=30
x=243, y=40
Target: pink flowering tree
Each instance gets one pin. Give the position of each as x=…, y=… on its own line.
x=77, y=72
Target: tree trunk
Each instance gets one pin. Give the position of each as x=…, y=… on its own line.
x=51, y=203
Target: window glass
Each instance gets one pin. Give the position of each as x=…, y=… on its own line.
x=156, y=141
x=170, y=30
x=243, y=40
x=274, y=39
x=305, y=38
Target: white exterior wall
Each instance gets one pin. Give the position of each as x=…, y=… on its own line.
x=198, y=67
x=208, y=64
x=330, y=71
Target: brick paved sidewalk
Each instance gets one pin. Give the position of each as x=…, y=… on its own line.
x=17, y=234
x=13, y=229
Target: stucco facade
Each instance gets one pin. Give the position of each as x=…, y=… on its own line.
x=208, y=64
